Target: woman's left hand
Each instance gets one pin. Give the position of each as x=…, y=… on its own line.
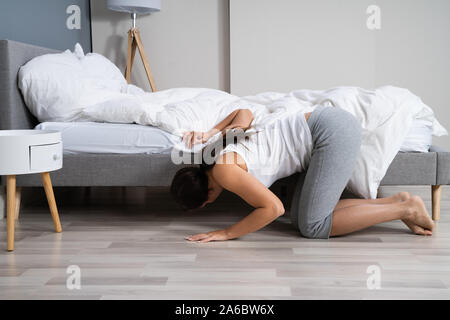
x=218, y=235
x=195, y=137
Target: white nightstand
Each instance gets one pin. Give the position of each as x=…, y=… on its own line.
x=26, y=152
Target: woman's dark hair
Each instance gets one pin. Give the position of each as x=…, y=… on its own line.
x=190, y=187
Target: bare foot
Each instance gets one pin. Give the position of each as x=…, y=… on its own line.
x=418, y=219
x=410, y=223
x=401, y=196
x=417, y=229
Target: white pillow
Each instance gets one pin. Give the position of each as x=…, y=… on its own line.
x=51, y=85
x=56, y=87
x=101, y=74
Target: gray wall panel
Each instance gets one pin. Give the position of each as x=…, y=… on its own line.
x=44, y=23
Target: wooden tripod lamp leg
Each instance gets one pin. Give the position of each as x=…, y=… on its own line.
x=51, y=200
x=129, y=59
x=133, y=53
x=144, y=59
x=10, y=210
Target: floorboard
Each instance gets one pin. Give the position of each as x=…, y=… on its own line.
x=129, y=244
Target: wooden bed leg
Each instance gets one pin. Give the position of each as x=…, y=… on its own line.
x=436, y=194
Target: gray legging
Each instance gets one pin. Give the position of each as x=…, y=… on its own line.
x=336, y=136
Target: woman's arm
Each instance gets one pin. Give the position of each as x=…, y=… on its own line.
x=241, y=118
x=267, y=205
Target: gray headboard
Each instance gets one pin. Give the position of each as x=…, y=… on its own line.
x=13, y=112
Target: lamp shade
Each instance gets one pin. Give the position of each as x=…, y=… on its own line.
x=135, y=6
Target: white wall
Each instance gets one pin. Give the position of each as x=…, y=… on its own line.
x=187, y=42
x=291, y=44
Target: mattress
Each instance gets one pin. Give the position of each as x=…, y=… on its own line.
x=96, y=137
x=99, y=137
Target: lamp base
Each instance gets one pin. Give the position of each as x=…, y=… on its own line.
x=134, y=40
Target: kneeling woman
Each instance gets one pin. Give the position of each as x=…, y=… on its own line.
x=325, y=144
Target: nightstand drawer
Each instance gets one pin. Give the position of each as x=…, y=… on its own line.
x=46, y=157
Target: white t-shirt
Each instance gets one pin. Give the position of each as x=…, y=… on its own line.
x=279, y=150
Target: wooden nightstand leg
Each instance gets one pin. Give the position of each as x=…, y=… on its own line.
x=2, y=202
x=436, y=195
x=11, y=210
x=51, y=200
x=18, y=199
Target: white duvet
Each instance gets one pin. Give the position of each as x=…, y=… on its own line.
x=77, y=87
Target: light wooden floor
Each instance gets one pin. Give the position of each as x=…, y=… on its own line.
x=130, y=244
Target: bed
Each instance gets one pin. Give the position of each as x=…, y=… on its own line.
x=148, y=163
x=80, y=169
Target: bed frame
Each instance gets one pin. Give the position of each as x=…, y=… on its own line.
x=156, y=170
